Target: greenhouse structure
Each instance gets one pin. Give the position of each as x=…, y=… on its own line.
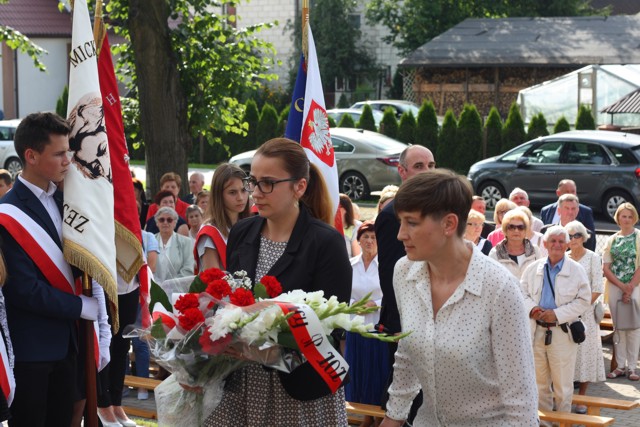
x=595, y=85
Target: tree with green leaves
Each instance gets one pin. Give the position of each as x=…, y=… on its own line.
x=240, y=143
x=343, y=102
x=332, y=123
x=412, y=23
x=367, y=122
x=346, y=121
x=445, y=153
x=389, y=123
x=493, y=132
x=267, y=126
x=62, y=102
x=513, y=133
x=396, y=91
x=585, y=118
x=562, y=125
x=282, y=120
x=407, y=128
x=427, y=126
x=468, y=146
x=15, y=40
x=187, y=76
x=537, y=126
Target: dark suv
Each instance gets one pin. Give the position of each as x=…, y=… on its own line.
x=604, y=165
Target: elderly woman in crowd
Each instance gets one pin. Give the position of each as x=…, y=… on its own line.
x=166, y=198
x=472, y=232
x=194, y=220
x=386, y=196
x=534, y=237
x=470, y=345
x=589, y=367
x=367, y=357
x=621, y=259
x=515, y=252
x=556, y=293
x=176, y=257
x=502, y=207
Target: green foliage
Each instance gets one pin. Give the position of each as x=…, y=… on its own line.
x=513, y=133
x=62, y=102
x=15, y=40
x=562, y=125
x=414, y=22
x=445, y=153
x=332, y=123
x=343, y=102
x=346, y=121
x=282, y=120
x=367, y=121
x=427, y=126
x=493, y=130
x=389, y=124
x=585, y=118
x=407, y=128
x=468, y=146
x=157, y=294
x=131, y=122
x=537, y=127
x=268, y=125
x=396, y=91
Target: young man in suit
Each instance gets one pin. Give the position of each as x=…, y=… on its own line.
x=42, y=305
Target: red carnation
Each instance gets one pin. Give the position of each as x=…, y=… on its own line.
x=190, y=318
x=187, y=301
x=213, y=347
x=242, y=297
x=218, y=288
x=211, y=274
x=272, y=286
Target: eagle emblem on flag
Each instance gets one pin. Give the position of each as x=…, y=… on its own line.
x=315, y=134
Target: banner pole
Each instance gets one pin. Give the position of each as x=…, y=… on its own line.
x=91, y=405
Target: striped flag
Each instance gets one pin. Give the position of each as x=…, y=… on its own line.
x=308, y=122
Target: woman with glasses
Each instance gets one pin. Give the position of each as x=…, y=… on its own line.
x=589, y=367
x=621, y=259
x=293, y=239
x=515, y=252
x=168, y=199
x=175, y=258
x=475, y=222
x=502, y=207
x=229, y=204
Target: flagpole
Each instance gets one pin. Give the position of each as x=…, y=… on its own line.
x=305, y=20
x=91, y=405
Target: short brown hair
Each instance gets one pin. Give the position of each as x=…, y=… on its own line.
x=35, y=130
x=161, y=195
x=366, y=226
x=171, y=176
x=436, y=193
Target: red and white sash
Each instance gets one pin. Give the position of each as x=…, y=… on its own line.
x=218, y=241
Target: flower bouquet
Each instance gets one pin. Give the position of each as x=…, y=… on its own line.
x=207, y=326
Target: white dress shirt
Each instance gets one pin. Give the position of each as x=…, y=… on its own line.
x=365, y=281
x=474, y=360
x=47, y=200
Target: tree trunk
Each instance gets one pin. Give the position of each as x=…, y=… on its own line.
x=163, y=104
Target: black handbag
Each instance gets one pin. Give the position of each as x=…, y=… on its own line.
x=577, y=329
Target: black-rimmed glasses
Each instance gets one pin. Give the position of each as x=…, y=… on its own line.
x=265, y=186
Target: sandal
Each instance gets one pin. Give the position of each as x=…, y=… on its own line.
x=616, y=373
x=633, y=376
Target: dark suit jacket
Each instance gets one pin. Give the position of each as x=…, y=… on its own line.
x=390, y=250
x=42, y=319
x=585, y=216
x=315, y=259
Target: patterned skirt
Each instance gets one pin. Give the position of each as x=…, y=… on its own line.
x=254, y=397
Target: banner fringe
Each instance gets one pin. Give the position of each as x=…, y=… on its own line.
x=132, y=240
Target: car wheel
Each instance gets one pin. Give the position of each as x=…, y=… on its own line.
x=354, y=185
x=14, y=166
x=491, y=192
x=612, y=200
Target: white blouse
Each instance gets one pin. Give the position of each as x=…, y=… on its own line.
x=365, y=281
x=474, y=361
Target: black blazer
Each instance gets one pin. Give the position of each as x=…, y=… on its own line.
x=42, y=319
x=585, y=216
x=315, y=259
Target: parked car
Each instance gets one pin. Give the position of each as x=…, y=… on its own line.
x=367, y=161
x=9, y=159
x=604, y=165
x=337, y=113
x=400, y=107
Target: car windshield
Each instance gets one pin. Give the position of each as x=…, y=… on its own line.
x=516, y=153
x=381, y=142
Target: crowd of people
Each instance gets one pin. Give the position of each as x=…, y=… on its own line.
x=503, y=316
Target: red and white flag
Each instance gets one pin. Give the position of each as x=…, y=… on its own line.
x=315, y=136
x=88, y=218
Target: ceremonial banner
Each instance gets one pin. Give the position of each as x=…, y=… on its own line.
x=308, y=122
x=88, y=217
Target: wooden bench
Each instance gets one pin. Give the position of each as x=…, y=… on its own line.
x=139, y=382
x=607, y=324
x=595, y=404
x=564, y=419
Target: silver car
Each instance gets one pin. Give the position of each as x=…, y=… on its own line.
x=337, y=113
x=367, y=161
x=9, y=159
x=399, y=106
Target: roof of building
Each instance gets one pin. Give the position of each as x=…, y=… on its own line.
x=533, y=42
x=629, y=103
x=36, y=18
